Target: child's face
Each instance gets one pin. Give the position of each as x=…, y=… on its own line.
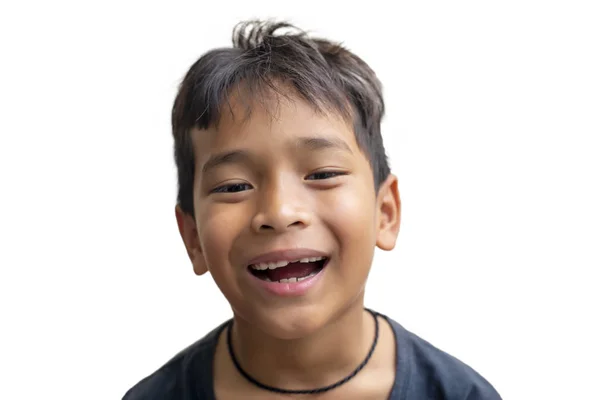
x=282, y=181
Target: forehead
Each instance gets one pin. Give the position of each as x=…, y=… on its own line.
x=269, y=123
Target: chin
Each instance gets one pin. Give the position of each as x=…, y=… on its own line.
x=289, y=322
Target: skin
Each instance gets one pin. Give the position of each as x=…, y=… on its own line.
x=298, y=180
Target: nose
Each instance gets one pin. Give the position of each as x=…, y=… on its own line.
x=280, y=208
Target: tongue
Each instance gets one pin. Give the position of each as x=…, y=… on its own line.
x=293, y=270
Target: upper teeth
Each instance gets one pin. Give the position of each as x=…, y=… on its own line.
x=279, y=264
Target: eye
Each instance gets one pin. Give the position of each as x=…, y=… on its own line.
x=232, y=188
x=324, y=175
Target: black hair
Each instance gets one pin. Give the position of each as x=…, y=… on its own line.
x=323, y=73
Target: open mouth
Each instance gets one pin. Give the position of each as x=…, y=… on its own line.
x=289, y=271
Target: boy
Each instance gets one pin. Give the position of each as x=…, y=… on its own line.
x=284, y=192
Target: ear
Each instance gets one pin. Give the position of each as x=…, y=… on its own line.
x=388, y=213
x=189, y=234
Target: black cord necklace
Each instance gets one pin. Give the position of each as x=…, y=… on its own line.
x=311, y=391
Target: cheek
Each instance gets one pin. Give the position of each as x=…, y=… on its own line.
x=351, y=220
x=221, y=226
x=350, y=213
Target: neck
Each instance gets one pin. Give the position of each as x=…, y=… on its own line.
x=317, y=360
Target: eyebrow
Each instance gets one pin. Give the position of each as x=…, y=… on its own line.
x=228, y=157
x=323, y=143
x=309, y=143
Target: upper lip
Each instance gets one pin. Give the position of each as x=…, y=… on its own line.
x=286, y=255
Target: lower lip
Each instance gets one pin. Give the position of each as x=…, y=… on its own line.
x=289, y=289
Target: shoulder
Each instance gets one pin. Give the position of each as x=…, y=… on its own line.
x=428, y=372
x=172, y=380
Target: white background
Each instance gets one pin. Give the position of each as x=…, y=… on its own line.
x=492, y=127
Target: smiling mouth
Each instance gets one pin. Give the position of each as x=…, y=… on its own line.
x=289, y=271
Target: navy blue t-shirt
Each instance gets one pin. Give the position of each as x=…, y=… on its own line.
x=423, y=372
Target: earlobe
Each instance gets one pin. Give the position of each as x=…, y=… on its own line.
x=189, y=235
x=389, y=208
